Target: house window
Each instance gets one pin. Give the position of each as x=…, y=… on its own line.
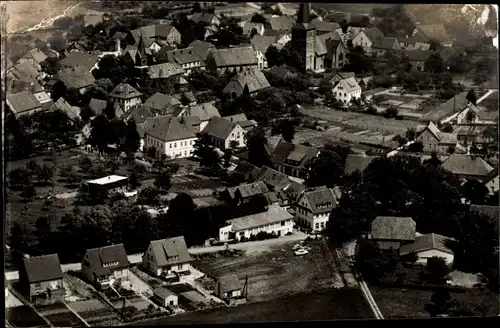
x=38, y=284
x=170, y=145
x=237, y=134
x=316, y=225
x=175, y=144
x=282, y=223
x=108, y=264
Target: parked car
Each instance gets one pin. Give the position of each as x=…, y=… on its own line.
x=301, y=251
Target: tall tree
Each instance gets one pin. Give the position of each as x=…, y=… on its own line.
x=163, y=181
x=256, y=144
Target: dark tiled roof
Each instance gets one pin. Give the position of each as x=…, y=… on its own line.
x=163, y=292
x=79, y=59
x=205, y=18
x=182, y=56
x=384, y=43
x=424, y=243
x=164, y=70
x=281, y=23
x=42, y=268
x=324, y=26
x=152, y=31
x=418, y=55
x=62, y=105
x=97, y=105
x=164, y=249
x=321, y=200
x=219, y=128
x=248, y=189
x=171, y=129
x=467, y=165
x=254, y=79
x=246, y=169
x=35, y=54
x=262, y=42
x=234, y=56
x=22, y=102
x=271, y=177
x=204, y=111
x=125, y=91
x=98, y=257
x=452, y=105
x=161, y=102
x=356, y=162
x=372, y=33
x=76, y=77
x=201, y=48
x=393, y=228
x=299, y=154
x=139, y=114
x=436, y=32
x=229, y=283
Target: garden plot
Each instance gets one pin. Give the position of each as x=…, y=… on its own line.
x=94, y=311
x=59, y=315
x=24, y=316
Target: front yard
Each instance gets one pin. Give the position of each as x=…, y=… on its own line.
x=274, y=272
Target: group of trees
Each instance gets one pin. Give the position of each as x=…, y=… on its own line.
x=107, y=130
x=286, y=56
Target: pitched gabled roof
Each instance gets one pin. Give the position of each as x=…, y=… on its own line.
x=356, y=162
x=152, y=31
x=384, y=43
x=62, y=105
x=24, y=71
x=492, y=175
x=219, y=128
x=97, y=105
x=320, y=47
x=22, y=102
x=246, y=169
x=76, y=77
x=229, y=283
x=236, y=118
x=467, y=165
x=254, y=79
x=350, y=84
x=324, y=26
x=271, y=177
x=321, y=200
x=125, y=91
x=263, y=42
x=393, y=228
x=42, y=268
x=201, y=48
x=372, y=33
x=182, y=56
x=286, y=151
x=35, y=54
x=139, y=114
x=273, y=214
x=281, y=23
x=171, y=129
x=79, y=59
x=424, y=243
x=170, y=251
x=163, y=292
x=204, y=111
x=436, y=32
x=161, y=102
x=234, y=56
x=249, y=26
x=98, y=257
x=248, y=189
x=164, y=70
x=205, y=18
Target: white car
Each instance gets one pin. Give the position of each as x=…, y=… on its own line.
x=301, y=252
x=296, y=247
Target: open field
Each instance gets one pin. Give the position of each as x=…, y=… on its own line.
x=354, y=8
x=398, y=302
x=24, y=316
x=275, y=272
x=325, y=305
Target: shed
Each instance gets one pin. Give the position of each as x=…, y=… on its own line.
x=228, y=286
x=165, y=297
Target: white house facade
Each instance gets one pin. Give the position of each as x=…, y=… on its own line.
x=312, y=211
x=173, y=149
x=346, y=90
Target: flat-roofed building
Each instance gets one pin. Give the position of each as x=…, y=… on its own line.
x=106, y=184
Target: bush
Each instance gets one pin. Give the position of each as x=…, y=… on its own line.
x=289, y=233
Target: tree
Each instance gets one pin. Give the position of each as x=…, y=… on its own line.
x=28, y=194
x=475, y=192
x=45, y=234
x=258, y=18
x=437, y=270
x=256, y=144
x=400, y=140
x=133, y=180
x=274, y=57
x=372, y=263
x=32, y=167
x=132, y=138
x=63, y=23
x=434, y=160
x=163, y=181
x=471, y=96
x=441, y=302
x=57, y=42
x=434, y=64
x=19, y=177
x=148, y=196
x=45, y=173
x=50, y=66
x=447, y=127
x=85, y=164
x=287, y=130
x=327, y=168
x=391, y=112
x=416, y=147
x=209, y=158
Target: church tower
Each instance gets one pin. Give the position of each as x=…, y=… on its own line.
x=304, y=37
x=141, y=58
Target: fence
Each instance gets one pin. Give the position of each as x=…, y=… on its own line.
x=429, y=287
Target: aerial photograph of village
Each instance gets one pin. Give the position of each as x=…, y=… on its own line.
x=178, y=162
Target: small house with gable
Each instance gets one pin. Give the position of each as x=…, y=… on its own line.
x=252, y=79
x=167, y=257
x=126, y=96
x=104, y=265
x=468, y=167
x=314, y=206
x=41, y=279
x=221, y=132
x=345, y=90
x=291, y=159
x=228, y=287
x=391, y=232
x=428, y=246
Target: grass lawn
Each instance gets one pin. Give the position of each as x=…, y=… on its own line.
x=325, y=305
x=64, y=319
x=398, y=302
x=275, y=272
x=24, y=316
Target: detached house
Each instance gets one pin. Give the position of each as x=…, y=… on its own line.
x=167, y=257
x=434, y=140
x=254, y=80
x=204, y=111
x=171, y=136
x=414, y=42
x=274, y=220
x=125, y=96
x=468, y=167
x=383, y=44
x=346, y=89
x=41, y=279
x=435, y=32
x=228, y=287
x=78, y=78
x=23, y=103
x=393, y=232
x=242, y=120
x=291, y=159
x=428, y=246
x=222, y=132
x=206, y=19
x=102, y=266
x=161, y=104
x=244, y=192
x=236, y=59
x=186, y=58
x=313, y=208
x=365, y=39
x=162, y=34
x=418, y=58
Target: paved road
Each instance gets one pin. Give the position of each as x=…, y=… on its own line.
x=137, y=258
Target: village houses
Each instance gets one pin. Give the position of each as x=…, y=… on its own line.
x=41, y=279
x=468, y=167
x=237, y=59
x=204, y=111
x=313, y=208
x=167, y=257
x=125, y=96
x=104, y=265
x=345, y=89
x=291, y=159
x=433, y=139
x=428, y=246
x=365, y=39
x=253, y=80
x=228, y=287
x=161, y=34
x=186, y=58
x=222, y=132
x=23, y=103
x=393, y=232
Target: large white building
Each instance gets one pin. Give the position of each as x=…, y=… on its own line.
x=345, y=90
x=275, y=219
x=313, y=208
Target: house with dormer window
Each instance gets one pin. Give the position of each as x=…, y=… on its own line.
x=102, y=266
x=291, y=159
x=312, y=210
x=167, y=257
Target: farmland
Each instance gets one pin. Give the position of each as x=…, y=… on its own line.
x=276, y=272
x=330, y=304
x=24, y=316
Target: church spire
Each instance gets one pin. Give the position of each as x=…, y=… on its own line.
x=141, y=48
x=304, y=13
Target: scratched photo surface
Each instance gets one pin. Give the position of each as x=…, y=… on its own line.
x=176, y=162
